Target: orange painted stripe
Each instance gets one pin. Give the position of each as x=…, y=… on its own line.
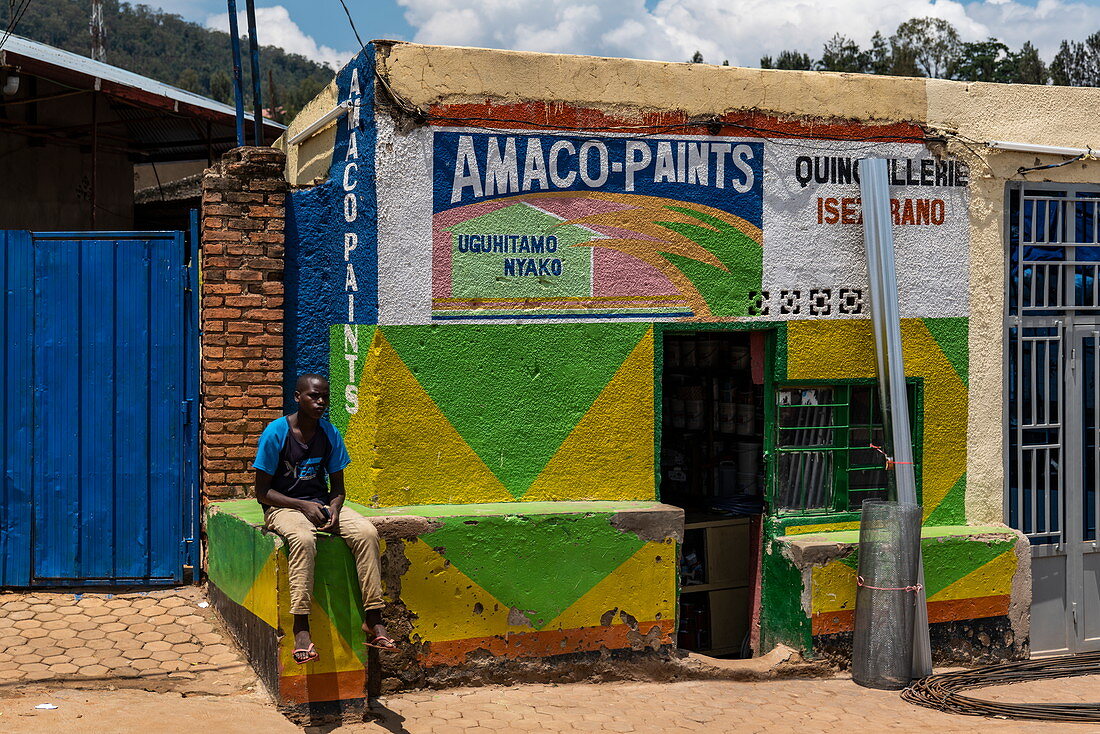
x=948, y=610
x=539, y=115
x=541, y=644
x=316, y=687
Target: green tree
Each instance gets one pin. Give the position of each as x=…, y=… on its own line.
x=880, y=59
x=163, y=46
x=1026, y=67
x=697, y=57
x=933, y=43
x=842, y=54
x=189, y=80
x=221, y=86
x=1077, y=64
x=982, y=61
x=793, y=60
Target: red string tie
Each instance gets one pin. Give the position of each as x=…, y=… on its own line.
x=890, y=463
x=861, y=582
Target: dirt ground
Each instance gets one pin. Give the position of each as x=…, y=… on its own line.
x=811, y=706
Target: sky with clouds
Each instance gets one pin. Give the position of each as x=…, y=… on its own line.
x=671, y=30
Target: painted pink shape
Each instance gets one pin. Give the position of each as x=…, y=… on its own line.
x=614, y=273
x=441, y=240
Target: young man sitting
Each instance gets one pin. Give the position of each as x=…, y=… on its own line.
x=294, y=455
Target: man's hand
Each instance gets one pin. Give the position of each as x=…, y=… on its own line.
x=314, y=513
x=334, y=517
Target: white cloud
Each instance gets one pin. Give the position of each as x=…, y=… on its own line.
x=275, y=28
x=739, y=30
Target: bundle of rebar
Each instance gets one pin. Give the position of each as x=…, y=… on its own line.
x=941, y=691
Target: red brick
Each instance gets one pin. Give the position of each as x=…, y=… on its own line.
x=243, y=197
x=246, y=224
x=223, y=439
x=244, y=326
x=244, y=301
x=222, y=235
x=242, y=275
x=264, y=314
x=210, y=301
x=245, y=402
x=218, y=263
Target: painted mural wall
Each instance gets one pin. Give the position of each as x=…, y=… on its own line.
x=491, y=287
x=466, y=590
x=489, y=294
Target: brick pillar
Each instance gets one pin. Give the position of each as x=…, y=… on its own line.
x=243, y=211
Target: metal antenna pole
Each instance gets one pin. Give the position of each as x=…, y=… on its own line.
x=886, y=322
x=238, y=91
x=254, y=58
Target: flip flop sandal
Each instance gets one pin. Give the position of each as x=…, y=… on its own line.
x=311, y=654
x=381, y=642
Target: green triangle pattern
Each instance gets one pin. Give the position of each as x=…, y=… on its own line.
x=952, y=509
x=538, y=564
x=336, y=590
x=948, y=560
x=515, y=392
x=952, y=336
x=241, y=554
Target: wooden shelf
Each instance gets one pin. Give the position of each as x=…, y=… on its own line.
x=713, y=521
x=709, y=587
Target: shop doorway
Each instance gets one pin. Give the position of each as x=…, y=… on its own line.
x=711, y=448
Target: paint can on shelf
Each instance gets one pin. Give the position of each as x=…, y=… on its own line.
x=707, y=354
x=739, y=358
x=727, y=417
x=746, y=414
x=748, y=465
x=676, y=409
x=727, y=477
x=693, y=414
x=687, y=352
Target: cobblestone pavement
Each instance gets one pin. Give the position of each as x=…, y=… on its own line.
x=810, y=706
x=146, y=636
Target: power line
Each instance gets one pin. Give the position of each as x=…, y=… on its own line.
x=352, y=23
x=17, y=12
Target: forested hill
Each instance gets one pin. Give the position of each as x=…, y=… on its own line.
x=167, y=48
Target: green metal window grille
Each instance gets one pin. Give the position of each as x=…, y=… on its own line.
x=825, y=460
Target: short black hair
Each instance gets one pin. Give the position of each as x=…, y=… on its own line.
x=304, y=380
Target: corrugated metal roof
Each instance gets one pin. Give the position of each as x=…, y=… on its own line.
x=28, y=49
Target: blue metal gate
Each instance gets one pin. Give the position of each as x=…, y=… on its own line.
x=97, y=418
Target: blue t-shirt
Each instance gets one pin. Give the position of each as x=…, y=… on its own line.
x=300, y=470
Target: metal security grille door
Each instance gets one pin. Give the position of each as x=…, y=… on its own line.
x=1053, y=407
x=97, y=430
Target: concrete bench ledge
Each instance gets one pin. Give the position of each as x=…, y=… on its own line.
x=977, y=581
x=475, y=593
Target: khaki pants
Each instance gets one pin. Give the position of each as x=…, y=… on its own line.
x=301, y=542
